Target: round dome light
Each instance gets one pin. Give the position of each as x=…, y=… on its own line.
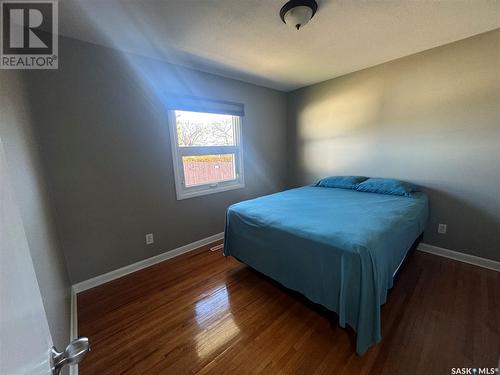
x=297, y=13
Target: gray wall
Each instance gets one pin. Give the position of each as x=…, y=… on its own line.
x=16, y=130
x=432, y=118
x=105, y=144
x=100, y=124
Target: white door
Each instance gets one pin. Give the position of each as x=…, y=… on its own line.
x=25, y=339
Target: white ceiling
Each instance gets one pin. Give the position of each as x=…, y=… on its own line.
x=246, y=40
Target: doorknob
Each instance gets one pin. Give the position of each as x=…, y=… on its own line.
x=73, y=354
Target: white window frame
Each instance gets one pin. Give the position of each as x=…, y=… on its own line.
x=178, y=152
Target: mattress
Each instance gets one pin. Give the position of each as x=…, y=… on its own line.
x=338, y=247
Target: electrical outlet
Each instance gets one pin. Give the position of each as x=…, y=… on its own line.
x=149, y=239
x=442, y=228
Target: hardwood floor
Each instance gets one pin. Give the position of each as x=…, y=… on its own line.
x=202, y=313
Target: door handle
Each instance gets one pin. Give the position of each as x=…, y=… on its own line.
x=73, y=354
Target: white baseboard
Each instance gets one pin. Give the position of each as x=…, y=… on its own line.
x=461, y=257
x=102, y=279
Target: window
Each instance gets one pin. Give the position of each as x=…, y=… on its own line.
x=206, y=149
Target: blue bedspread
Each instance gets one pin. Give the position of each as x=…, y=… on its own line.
x=339, y=248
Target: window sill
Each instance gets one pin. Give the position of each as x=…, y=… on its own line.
x=219, y=189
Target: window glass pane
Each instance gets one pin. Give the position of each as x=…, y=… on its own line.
x=207, y=169
x=204, y=129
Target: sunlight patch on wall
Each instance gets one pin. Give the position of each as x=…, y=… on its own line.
x=330, y=127
x=321, y=158
x=340, y=113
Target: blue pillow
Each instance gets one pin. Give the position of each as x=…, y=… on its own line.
x=387, y=186
x=342, y=182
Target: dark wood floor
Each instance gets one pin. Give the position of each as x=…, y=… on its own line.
x=202, y=313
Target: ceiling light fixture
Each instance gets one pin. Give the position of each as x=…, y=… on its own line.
x=297, y=13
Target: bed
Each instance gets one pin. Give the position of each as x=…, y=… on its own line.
x=338, y=247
